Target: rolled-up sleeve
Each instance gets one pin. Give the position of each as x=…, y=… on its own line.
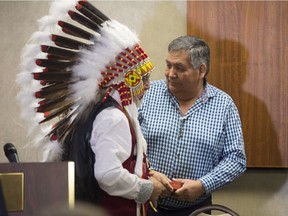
x=233, y=163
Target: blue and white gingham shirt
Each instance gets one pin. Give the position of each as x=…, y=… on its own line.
x=205, y=144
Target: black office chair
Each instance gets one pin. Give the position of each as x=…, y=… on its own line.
x=212, y=207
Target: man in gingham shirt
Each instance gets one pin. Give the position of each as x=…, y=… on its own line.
x=193, y=130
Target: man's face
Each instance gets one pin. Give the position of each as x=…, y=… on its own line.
x=183, y=81
x=146, y=81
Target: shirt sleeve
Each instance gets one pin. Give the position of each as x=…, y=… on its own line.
x=111, y=144
x=233, y=161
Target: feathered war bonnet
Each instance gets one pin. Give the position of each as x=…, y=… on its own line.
x=77, y=57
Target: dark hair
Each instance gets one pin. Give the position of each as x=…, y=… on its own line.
x=198, y=49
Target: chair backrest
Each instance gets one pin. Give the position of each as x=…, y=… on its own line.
x=217, y=207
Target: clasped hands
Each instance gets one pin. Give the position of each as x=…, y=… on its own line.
x=180, y=189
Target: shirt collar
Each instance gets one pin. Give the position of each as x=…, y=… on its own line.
x=207, y=93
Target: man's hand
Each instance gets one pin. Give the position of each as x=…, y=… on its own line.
x=190, y=190
x=158, y=189
x=165, y=181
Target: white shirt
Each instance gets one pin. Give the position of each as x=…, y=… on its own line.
x=111, y=144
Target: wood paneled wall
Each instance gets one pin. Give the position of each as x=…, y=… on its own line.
x=249, y=56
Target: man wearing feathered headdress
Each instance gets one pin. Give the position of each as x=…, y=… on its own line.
x=83, y=75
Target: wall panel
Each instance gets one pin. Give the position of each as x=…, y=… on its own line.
x=249, y=51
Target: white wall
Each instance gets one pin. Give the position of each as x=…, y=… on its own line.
x=259, y=192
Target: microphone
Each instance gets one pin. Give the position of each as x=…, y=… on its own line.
x=11, y=153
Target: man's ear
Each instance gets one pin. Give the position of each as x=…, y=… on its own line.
x=202, y=69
